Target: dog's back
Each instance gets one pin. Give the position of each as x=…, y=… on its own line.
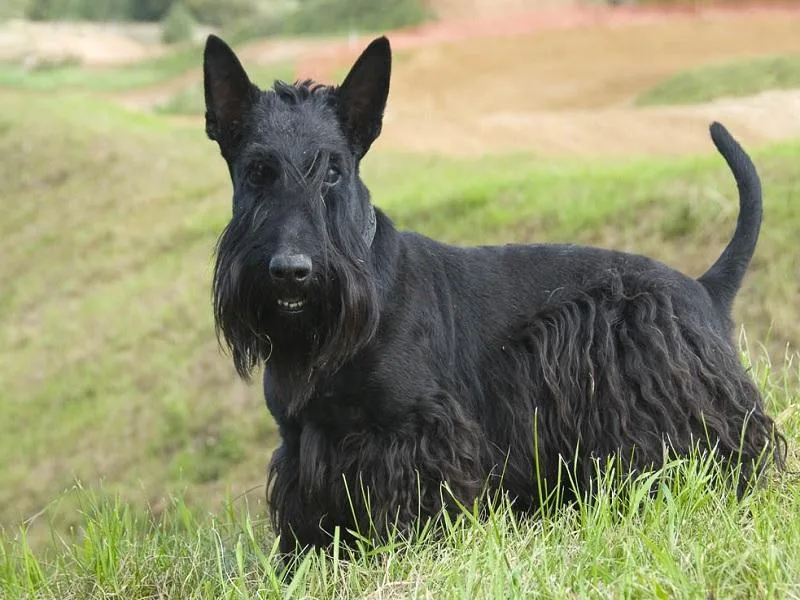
x=522, y=279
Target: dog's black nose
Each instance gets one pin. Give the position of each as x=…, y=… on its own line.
x=290, y=268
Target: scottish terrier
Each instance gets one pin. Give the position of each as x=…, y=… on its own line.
x=407, y=376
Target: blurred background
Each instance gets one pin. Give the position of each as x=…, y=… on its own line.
x=508, y=120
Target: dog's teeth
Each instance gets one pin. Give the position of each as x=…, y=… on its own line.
x=291, y=304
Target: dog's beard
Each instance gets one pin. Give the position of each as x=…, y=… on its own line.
x=242, y=310
x=339, y=318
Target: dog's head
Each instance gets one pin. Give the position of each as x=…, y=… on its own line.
x=292, y=280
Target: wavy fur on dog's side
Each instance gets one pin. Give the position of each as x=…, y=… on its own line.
x=618, y=371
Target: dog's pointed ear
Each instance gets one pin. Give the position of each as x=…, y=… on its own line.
x=228, y=91
x=362, y=96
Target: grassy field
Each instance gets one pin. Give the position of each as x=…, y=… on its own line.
x=110, y=371
x=692, y=540
x=123, y=428
x=740, y=78
x=75, y=77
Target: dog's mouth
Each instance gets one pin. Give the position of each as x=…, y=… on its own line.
x=291, y=305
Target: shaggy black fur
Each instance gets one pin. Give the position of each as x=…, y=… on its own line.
x=395, y=364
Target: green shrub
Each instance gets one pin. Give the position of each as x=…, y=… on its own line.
x=302, y=16
x=178, y=25
x=221, y=14
x=255, y=27
x=149, y=10
x=331, y=16
x=10, y=9
x=90, y=10
x=41, y=10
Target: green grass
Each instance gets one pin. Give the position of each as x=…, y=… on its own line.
x=742, y=78
x=337, y=16
x=109, y=370
x=693, y=539
x=77, y=77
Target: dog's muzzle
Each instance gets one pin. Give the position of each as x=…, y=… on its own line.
x=290, y=273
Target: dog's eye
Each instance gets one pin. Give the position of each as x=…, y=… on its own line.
x=261, y=174
x=333, y=176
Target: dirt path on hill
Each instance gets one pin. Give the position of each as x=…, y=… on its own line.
x=557, y=81
x=91, y=44
x=564, y=81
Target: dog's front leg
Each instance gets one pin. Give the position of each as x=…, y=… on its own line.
x=377, y=481
x=433, y=459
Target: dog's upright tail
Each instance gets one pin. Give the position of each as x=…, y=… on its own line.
x=725, y=276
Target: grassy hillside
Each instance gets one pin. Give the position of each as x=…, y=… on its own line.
x=76, y=77
x=690, y=540
x=109, y=370
x=738, y=78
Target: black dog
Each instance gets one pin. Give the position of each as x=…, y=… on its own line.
x=396, y=364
